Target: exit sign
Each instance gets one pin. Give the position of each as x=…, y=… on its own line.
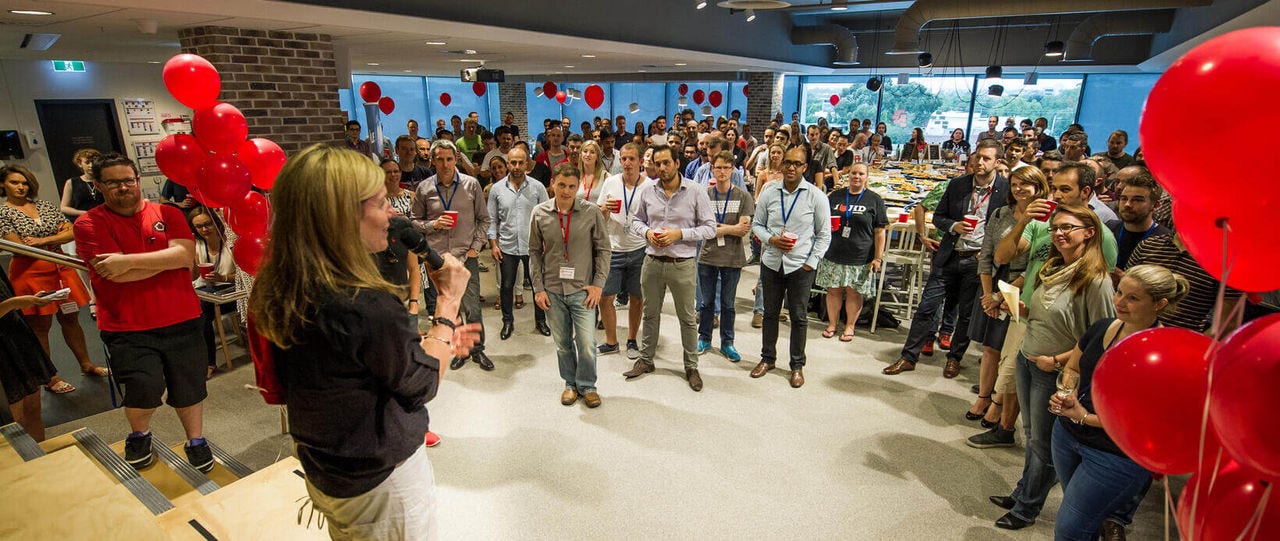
x=75, y=66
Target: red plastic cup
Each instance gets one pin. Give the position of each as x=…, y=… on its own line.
x=835, y=223
x=1053, y=205
x=857, y=158
x=615, y=205
x=205, y=269
x=453, y=218
x=971, y=220
x=903, y=217
x=790, y=237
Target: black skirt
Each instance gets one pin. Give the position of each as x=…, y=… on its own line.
x=23, y=365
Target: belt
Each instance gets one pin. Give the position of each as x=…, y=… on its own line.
x=967, y=253
x=669, y=259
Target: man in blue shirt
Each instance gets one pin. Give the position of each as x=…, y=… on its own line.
x=716, y=144
x=511, y=203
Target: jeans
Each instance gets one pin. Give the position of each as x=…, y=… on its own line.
x=713, y=281
x=573, y=329
x=1095, y=484
x=795, y=287
x=655, y=278
x=1035, y=386
x=759, y=306
x=509, y=268
x=471, y=309
x=957, y=284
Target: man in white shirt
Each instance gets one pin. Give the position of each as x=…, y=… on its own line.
x=622, y=191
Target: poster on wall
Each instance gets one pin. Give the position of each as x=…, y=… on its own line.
x=145, y=154
x=140, y=116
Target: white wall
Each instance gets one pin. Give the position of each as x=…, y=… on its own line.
x=25, y=81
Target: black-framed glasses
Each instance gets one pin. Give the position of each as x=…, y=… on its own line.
x=792, y=163
x=126, y=182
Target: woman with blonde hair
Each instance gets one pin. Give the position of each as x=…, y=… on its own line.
x=353, y=368
x=591, y=164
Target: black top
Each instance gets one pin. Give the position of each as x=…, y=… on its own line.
x=172, y=191
x=1092, y=346
x=844, y=160
x=860, y=217
x=886, y=143
x=1127, y=240
x=961, y=147
x=393, y=262
x=419, y=173
x=356, y=383
x=83, y=194
x=541, y=173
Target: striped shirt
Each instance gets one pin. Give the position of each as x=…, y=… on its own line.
x=1195, y=310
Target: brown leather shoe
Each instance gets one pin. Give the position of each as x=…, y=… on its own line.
x=641, y=367
x=952, y=369
x=1112, y=531
x=592, y=399
x=899, y=367
x=568, y=397
x=761, y=369
x=695, y=380
x=797, y=378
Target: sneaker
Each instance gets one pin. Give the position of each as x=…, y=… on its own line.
x=927, y=350
x=599, y=325
x=528, y=286
x=483, y=267
x=996, y=437
x=199, y=455
x=944, y=341
x=606, y=349
x=757, y=320
x=137, y=450
x=431, y=439
x=716, y=323
x=782, y=317
x=633, y=350
x=703, y=345
x=619, y=305
x=731, y=353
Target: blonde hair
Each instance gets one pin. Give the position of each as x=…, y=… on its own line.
x=1160, y=283
x=318, y=204
x=1032, y=175
x=597, y=168
x=1092, y=263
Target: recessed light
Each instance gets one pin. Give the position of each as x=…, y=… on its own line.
x=468, y=51
x=408, y=71
x=30, y=12
x=588, y=56
x=568, y=67
x=153, y=61
x=436, y=43
x=682, y=63
x=374, y=64
x=643, y=71
x=471, y=60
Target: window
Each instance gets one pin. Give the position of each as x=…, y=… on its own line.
x=855, y=102
x=1054, y=97
x=936, y=104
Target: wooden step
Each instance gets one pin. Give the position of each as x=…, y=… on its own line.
x=16, y=438
x=147, y=493
x=264, y=505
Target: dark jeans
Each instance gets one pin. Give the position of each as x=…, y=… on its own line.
x=509, y=267
x=1095, y=484
x=713, y=280
x=471, y=309
x=957, y=284
x=1035, y=386
x=796, y=287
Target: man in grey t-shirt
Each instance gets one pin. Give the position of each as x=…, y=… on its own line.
x=721, y=260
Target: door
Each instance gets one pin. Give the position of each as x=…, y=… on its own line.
x=70, y=125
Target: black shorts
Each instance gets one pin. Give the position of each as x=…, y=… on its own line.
x=146, y=363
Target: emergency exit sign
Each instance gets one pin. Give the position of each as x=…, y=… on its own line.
x=73, y=66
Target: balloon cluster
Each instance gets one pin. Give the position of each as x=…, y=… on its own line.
x=370, y=92
x=217, y=164
x=1177, y=401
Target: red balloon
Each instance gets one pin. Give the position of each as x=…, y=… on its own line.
x=1236, y=67
x=549, y=89
x=223, y=180
x=250, y=216
x=192, y=80
x=715, y=98
x=1253, y=264
x=370, y=92
x=744, y=90
x=199, y=197
x=835, y=100
x=264, y=158
x=386, y=105
x=683, y=88
x=594, y=96
x=479, y=88
x=249, y=252
x=1149, y=391
x=561, y=97
x=220, y=128
x=445, y=99
x=1224, y=505
x=179, y=157
x=698, y=96
x=1246, y=371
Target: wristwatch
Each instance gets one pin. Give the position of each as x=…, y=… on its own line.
x=442, y=321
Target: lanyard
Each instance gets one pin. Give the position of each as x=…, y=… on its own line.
x=440, y=194
x=723, y=212
x=626, y=202
x=977, y=203
x=1120, y=239
x=848, y=209
x=565, y=220
x=782, y=196
x=589, y=188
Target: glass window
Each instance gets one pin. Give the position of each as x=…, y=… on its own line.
x=855, y=102
x=939, y=105
x=1054, y=97
x=1114, y=102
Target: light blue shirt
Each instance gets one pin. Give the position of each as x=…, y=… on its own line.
x=703, y=176
x=807, y=216
x=688, y=209
x=510, y=210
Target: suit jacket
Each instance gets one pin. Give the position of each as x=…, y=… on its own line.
x=955, y=204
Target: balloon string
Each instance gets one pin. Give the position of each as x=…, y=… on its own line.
x=1255, y=521
x=1216, y=331
x=1168, y=504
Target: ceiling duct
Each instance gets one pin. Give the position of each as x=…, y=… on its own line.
x=906, y=39
x=829, y=34
x=38, y=42
x=1080, y=44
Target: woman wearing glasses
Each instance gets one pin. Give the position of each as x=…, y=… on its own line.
x=215, y=268
x=40, y=224
x=1071, y=291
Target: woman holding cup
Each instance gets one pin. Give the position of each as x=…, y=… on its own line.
x=215, y=267
x=848, y=270
x=591, y=164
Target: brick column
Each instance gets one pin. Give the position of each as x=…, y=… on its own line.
x=511, y=98
x=764, y=99
x=285, y=83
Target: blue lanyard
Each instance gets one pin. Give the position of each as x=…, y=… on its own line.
x=848, y=209
x=782, y=196
x=1153, y=227
x=721, y=214
x=440, y=194
x=626, y=201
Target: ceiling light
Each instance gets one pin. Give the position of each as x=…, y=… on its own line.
x=436, y=43
x=681, y=63
x=751, y=15
x=995, y=90
x=634, y=108
x=682, y=101
x=643, y=71
x=468, y=51
x=995, y=72
x=839, y=5
x=153, y=61
x=408, y=71
x=873, y=84
x=925, y=60
x=588, y=56
x=699, y=4
x=1054, y=48
x=374, y=64
x=41, y=12
x=569, y=67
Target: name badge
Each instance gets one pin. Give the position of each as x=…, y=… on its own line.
x=719, y=241
x=845, y=232
x=69, y=307
x=733, y=206
x=566, y=273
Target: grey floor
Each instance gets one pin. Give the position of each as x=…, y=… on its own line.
x=851, y=455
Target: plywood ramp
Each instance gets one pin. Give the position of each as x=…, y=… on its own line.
x=261, y=506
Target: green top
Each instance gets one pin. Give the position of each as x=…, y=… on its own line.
x=469, y=145
x=930, y=203
x=1037, y=233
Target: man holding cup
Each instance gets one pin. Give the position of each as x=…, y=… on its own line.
x=796, y=224
x=962, y=214
x=621, y=196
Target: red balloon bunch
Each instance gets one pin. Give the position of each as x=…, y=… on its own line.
x=594, y=96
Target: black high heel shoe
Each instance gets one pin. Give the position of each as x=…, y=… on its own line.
x=971, y=416
x=990, y=424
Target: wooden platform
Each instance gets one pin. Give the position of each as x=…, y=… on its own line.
x=262, y=506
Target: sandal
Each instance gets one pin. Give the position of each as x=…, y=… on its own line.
x=828, y=333
x=998, y=407
x=93, y=311
x=971, y=416
x=208, y=375
x=61, y=387
x=100, y=371
x=519, y=302
x=847, y=336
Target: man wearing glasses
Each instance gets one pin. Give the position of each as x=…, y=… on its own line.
x=353, y=140
x=140, y=256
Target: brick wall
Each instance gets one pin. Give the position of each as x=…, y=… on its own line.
x=764, y=98
x=285, y=83
x=511, y=98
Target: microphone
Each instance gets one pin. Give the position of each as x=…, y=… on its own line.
x=416, y=242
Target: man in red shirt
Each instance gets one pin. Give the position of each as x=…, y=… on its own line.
x=140, y=254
